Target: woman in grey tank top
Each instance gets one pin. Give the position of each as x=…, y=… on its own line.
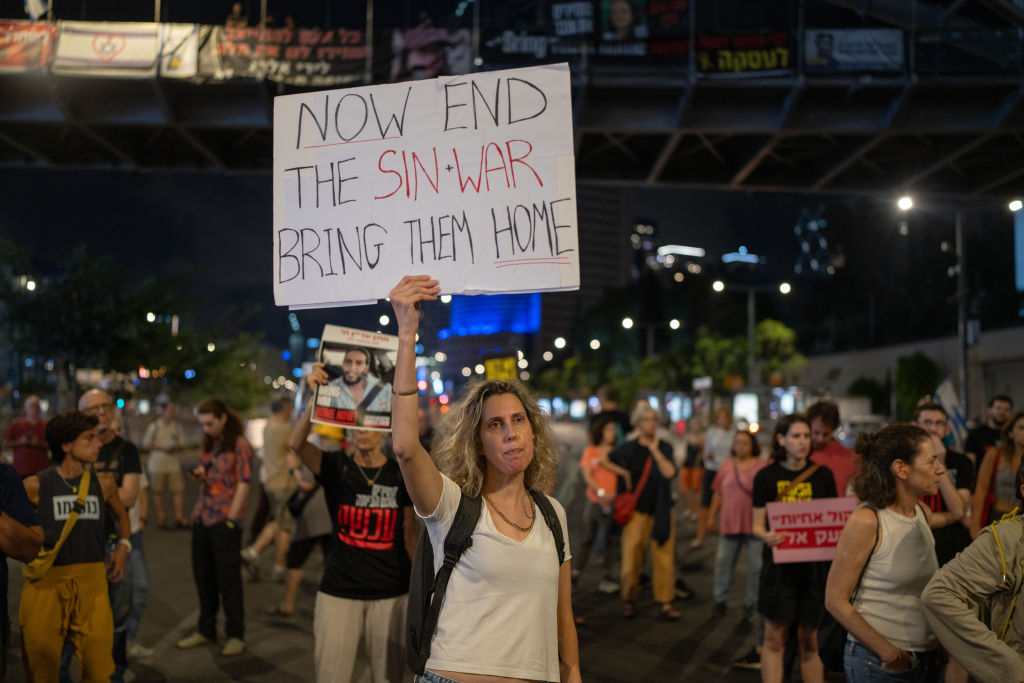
x=996, y=473
x=886, y=556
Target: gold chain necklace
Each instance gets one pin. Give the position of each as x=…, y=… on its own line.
x=369, y=482
x=533, y=519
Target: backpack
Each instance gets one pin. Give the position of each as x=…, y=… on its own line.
x=426, y=590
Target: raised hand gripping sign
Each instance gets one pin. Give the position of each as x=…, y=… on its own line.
x=468, y=178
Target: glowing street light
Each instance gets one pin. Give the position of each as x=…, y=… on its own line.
x=905, y=203
x=479, y=368
x=446, y=298
x=548, y=356
x=627, y=323
x=30, y=285
x=785, y=288
x=718, y=286
x=595, y=344
x=1016, y=205
x=151, y=317
x=560, y=342
x=211, y=347
x=674, y=324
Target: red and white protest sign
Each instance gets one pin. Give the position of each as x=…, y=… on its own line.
x=812, y=528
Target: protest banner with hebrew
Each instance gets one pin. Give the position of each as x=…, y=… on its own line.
x=812, y=528
x=25, y=46
x=468, y=178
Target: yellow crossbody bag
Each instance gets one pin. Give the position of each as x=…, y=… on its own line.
x=37, y=568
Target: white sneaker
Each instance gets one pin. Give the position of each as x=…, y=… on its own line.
x=137, y=651
x=607, y=586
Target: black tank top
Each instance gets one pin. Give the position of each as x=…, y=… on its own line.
x=87, y=542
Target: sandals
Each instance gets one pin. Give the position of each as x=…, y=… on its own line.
x=667, y=613
x=629, y=610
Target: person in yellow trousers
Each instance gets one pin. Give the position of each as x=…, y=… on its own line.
x=69, y=599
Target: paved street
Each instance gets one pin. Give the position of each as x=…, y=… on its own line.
x=697, y=648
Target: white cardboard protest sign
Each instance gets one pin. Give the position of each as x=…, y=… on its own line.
x=470, y=179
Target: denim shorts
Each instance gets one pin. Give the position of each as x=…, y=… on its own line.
x=864, y=666
x=431, y=677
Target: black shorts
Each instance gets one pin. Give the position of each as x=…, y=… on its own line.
x=792, y=592
x=298, y=551
x=706, y=492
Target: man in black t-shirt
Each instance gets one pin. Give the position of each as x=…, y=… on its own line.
x=952, y=538
x=987, y=435
x=119, y=460
x=365, y=585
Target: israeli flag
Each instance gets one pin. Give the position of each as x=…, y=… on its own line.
x=35, y=9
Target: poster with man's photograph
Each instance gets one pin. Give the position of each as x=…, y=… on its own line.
x=360, y=369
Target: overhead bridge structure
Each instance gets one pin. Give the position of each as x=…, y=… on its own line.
x=936, y=126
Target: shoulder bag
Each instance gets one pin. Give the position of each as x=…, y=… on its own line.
x=37, y=568
x=625, y=502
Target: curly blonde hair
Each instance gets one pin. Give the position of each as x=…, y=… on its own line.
x=460, y=453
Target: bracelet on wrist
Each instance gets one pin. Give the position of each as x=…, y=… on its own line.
x=406, y=393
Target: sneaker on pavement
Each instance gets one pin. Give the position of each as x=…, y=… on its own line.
x=233, y=647
x=279, y=574
x=137, y=651
x=194, y=640
x=683, y=592
x=249, y=562
x=607, y=586
x=751, y=660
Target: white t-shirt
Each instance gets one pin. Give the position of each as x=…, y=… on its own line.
x=162, y=435
x=499, y=615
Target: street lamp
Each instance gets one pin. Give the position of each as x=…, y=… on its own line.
x=783, y=288
x=1016, y=205
x=559, y=342
x=905, y=203
x=627, y=323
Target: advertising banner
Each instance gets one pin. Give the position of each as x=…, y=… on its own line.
x=25, y=46
x=853, y=49
x=468, y=178
x=812, y=528
x=107, y=49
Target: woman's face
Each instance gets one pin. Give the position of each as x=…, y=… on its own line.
x=506, y=434
x=86, y=447
x=797, y=441
x=367, y=441
x=741, y=446
x=925, y=469
x=212, y=425
x=609, y=434
x=722, y=419
x=1017, y=432
x=620, y=15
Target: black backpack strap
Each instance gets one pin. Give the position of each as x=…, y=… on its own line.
x=420, y=629
x=551, y=518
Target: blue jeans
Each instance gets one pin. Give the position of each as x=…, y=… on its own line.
x=864, y=666
x=140, y=585
x=725, y=561
x=431, y=677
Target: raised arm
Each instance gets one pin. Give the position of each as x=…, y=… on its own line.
x=422, y=479
x=954, y=505
x=299, y=440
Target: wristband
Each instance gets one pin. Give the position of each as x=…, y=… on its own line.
x=406, y=393
x=126, y=543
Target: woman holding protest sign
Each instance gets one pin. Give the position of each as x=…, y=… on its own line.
x=792, y=591
x=886, y=556
x=507, y=610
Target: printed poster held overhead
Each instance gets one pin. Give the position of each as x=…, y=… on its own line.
x=470, y=179
x=360, y=367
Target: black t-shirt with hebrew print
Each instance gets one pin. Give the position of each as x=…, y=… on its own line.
x=776, y=478
x=368, y=559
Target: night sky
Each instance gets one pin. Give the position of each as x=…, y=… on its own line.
x=217, y=228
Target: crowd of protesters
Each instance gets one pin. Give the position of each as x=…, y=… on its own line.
x=923, y=582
